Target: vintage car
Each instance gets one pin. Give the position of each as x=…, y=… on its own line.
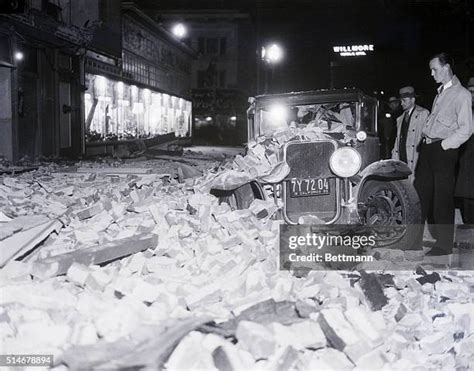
x=329, y=141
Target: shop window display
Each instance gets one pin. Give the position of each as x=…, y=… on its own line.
x=117, y=111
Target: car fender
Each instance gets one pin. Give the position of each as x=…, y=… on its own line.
x=248, y=191
x=381, y=170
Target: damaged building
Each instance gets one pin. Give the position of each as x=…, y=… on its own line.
x=80, y=76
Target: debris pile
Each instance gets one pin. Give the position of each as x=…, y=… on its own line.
x=137, y=269
x=264, y=160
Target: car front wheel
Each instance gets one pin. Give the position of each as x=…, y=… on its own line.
x=393, y=204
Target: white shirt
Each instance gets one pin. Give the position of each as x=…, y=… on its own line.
x=445, y=86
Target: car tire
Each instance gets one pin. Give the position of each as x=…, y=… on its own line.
x=240, y=198
x=392, y=203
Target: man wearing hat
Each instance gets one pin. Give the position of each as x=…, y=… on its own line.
x=465, y=181
x=387, y=125
x=394, y=105
x=448, y=126
x=409, y=126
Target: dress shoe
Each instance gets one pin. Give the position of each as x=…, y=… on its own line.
x=436, y=251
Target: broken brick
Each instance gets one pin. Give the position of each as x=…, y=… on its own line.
x=341, y=335
x=90, y=211
x=437, y=343
x=78, y=273
x=373, y=290
x=402, y=310
x=97, y=280
x=256, y=339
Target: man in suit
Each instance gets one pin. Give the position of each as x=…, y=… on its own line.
x=409, y=126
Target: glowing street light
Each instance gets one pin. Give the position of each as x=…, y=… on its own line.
x=179, y=30
x=19, y=56
x=272, y=53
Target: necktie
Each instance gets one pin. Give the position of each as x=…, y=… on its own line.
x=405, y=124
x=403, y=137
x=407, y=117
x=441, y=89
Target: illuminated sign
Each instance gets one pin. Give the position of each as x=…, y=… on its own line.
x=353, y=50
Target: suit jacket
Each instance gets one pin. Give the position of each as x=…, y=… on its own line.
x=417, y=121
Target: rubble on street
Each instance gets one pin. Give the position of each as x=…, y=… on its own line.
x=264, y=160
x=135, y=264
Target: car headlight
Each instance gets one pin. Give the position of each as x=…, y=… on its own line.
x=345, y=162
x=361, y=136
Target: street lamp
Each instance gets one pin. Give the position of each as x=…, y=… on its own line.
x=179, y=30
x=19, y=56
x=271, y=54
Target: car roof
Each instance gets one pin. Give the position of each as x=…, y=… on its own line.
x=313, y=96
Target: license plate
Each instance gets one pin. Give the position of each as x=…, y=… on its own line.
x=309, y=187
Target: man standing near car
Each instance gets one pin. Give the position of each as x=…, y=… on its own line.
x=409, y=126
x=465, y=181
x=448, y=126
x=388, y=126
x=395, y=109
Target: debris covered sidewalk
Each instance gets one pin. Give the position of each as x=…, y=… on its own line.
x=135, y=265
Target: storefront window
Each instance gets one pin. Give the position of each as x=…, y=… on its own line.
x=119, y=111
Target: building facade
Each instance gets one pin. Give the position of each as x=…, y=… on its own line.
x=223, y=75
x=75, y=72
x=41, y=73
x=147, y=93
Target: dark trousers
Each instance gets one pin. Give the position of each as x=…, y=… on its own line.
x=435, y=182
x=467, y=210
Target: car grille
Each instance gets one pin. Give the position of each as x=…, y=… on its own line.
x=311, y=160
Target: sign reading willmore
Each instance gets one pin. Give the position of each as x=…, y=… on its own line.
x=353, y=50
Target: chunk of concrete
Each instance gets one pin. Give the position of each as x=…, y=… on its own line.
x=256, y=339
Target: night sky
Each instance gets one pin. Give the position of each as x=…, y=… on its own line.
x=405, y=34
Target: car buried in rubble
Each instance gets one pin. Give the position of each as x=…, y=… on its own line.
x=334, y=175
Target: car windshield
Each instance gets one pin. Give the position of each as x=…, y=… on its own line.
x=331, y=117
x=368, y=116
